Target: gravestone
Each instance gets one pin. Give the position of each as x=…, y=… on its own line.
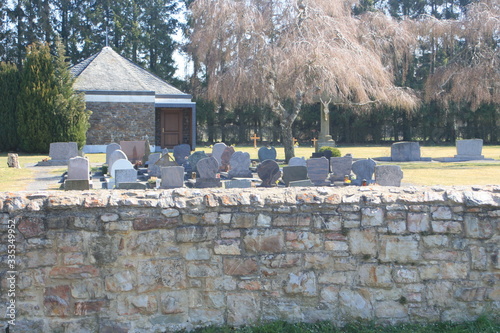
x=225, y=158
x=60, y=153
x=115, y=156
x=297, y=161
x=388, y=175
x=208, y=168
x=125, y=176
x=153, y=169
x=469, y=149
x=240, y=165
x=13, y=161
x=78, y=168
x=301, y=183
x=194, y=158
x=340, y=167
x=147, y=151
x=217, y=151
x=269, y=172
x=363, y=169
x=405, y=151
x=172, y=177
x=110, y=149
x=120, y=165
x=181, y=152
x=318, y=170
x=76, y=185
x=238, y=183
x=134, y=150
x=294, y=173
x=267, y=153
x=131, y=186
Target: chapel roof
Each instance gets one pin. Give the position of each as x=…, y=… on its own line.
x=109, y=71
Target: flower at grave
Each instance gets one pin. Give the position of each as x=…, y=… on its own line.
x=152, y=180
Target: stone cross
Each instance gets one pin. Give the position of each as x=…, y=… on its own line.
x=255, y=138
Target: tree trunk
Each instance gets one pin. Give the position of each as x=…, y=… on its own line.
x=287, y=137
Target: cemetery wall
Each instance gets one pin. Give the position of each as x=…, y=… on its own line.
x=115, y=122
x=155, y=261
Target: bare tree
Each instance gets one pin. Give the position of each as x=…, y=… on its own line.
x=472, y=75
x=302, y=50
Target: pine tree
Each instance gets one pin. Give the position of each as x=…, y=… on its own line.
x=9, y=88
x=35, y=101
x=48, y=108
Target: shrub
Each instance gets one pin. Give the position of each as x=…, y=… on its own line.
x=335, y=151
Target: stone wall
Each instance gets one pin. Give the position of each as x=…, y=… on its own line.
x=155, y=261
x=115, y=122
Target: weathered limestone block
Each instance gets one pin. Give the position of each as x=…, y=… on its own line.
x=304, y=284
x=193, y=234
x=243, y=308
x=264, y=241
x=371, y=217
x=240, y=266
x=477, y=228
x=401, y=249
x=168, y=274
x=355, y=304
x=375, y=276
x=363, y=241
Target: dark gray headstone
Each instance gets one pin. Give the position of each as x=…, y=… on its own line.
x=110, y=149
x=363, y=169
x=340, y=166
x=208, y=167
x=125, y=176
x=240, y=165
x=181, y=152
x=194, y=158
x=269, y=172
x=318, y=170
x=388, y=175
x=172, y=177
x=299, y=183
x=294, y=173
x=405, y=151
x=294, y=161
x=226, y=158
x=267, y=153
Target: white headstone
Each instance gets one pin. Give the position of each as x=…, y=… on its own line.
x=78, y=168
x=115, y=156
x=470, y=149
x=63, y=151
x=217, y=151
x=297, y=161
x=120, y=164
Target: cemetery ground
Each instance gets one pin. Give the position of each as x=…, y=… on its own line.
x=480, y=172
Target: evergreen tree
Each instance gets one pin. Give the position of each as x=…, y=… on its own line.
x=48, y=109
x=9, y=88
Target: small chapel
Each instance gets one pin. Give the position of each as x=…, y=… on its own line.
x=128, y=103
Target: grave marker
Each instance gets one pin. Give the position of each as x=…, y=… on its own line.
x=109, y=150
x=255, y=138
x=469, y=149
x=194, y=158
x=115, y=156
x=405, y=151
x=317, y=171
x=78, y=168
x=294, y=161
x=181, y=152
x=340, y=166
x=153, y=169
x=294, y=173
x=240, y=165
x=208, y=168
x=388, y=175
x=134, y=150
x=269, y=172
x=125, y=176
x=217, y=151
x=363, y=169
x=226, y=159
x=120, y=165
x=172, y=177
x=267, y=153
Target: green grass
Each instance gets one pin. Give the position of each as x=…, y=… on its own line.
x=481, y=325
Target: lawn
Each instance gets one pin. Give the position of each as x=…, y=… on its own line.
x=481, y=325
x=415, y=173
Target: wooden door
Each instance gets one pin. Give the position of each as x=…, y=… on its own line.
x=171, y=128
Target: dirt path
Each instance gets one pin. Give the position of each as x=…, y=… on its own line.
x=45, y=178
